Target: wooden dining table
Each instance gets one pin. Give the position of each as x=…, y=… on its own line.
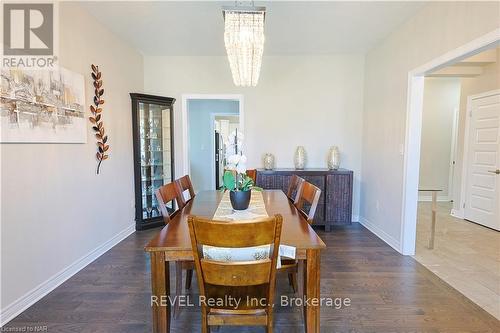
x=173, y=243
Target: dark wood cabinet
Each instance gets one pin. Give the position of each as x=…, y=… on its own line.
x=335, y=203
x=152, y=125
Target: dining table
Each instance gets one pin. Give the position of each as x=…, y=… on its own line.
x=173, y=243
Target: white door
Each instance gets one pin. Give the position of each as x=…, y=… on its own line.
x=483, y=162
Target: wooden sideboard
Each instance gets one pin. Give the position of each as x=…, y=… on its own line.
x=335, y=203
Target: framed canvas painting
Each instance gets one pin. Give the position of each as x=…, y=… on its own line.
x=42, y=106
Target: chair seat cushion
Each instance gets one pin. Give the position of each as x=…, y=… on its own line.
x=236, y=254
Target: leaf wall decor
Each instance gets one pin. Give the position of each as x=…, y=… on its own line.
x=96, y=118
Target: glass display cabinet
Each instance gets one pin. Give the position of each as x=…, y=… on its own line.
x=152, y=125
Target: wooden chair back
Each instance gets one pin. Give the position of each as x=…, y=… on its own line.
x=255, y=279
x=184, y=184
x=308, y=196
x=294, y=188
x=252, y=173
x=165, y=194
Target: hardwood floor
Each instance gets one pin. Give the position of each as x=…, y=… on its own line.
x=388, y=293
x=465, y=255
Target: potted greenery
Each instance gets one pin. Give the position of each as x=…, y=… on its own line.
x=236, y=181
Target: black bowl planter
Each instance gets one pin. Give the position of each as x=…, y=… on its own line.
x=240, y=199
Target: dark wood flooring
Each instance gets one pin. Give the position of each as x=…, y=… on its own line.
x=389, y=293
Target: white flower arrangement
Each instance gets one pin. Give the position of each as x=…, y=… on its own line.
x=235, y=174
x=234, y=144
x=235, y=160
x=237, y=163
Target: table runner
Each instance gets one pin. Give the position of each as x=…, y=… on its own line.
x=256, y=210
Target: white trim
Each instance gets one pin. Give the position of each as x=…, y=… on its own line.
x=412, y=164
x=212, y=130
x=414, y=129
x=391, y=241
x=458, y=213
x=467, y=50
x=453, y=153
x=465, y=156
x=22, y=303
x=428, y=198
x=355, y=218
x=185, y=121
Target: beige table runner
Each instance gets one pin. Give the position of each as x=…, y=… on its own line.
x=256, y=210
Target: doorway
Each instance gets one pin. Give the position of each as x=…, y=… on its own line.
x=224, y=126
x=199, y=154
x=412, y=146
x=457, y=235
x=439, y=137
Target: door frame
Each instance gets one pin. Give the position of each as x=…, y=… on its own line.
x=413, y=133
x=465, y=157
x=186, y=169
x=453, y=154
x=212, y=129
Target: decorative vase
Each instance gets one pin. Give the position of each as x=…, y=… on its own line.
x=333, y=158
x=268, y=161
x=300, y=158
x=240, y=200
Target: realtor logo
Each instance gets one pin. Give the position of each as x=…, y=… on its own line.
x=28, y=29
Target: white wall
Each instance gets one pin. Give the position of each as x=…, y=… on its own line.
x=55, y=209
x=314, y=101
x=436, y=29
x=487, y=81
x=441, y=100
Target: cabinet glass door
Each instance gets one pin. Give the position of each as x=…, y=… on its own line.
x=155, y=153
x=156, y=164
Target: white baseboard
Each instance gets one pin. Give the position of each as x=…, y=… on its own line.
x=391, y=241
x=355, y=218
x=428, y=198
x=15, y=308
x=458, y=213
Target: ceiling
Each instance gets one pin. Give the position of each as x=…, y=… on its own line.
x=292, y=28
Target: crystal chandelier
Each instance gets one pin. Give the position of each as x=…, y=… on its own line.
x=244, y=40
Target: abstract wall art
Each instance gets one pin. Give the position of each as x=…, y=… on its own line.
x=42, y=106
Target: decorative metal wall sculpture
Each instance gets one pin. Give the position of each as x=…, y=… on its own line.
x=96, y=118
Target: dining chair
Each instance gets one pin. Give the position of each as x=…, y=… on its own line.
x=250, y=279
x=307, y=196
x=165, y=194
x=184, y=184
x=252, y=173
x=294, y=188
